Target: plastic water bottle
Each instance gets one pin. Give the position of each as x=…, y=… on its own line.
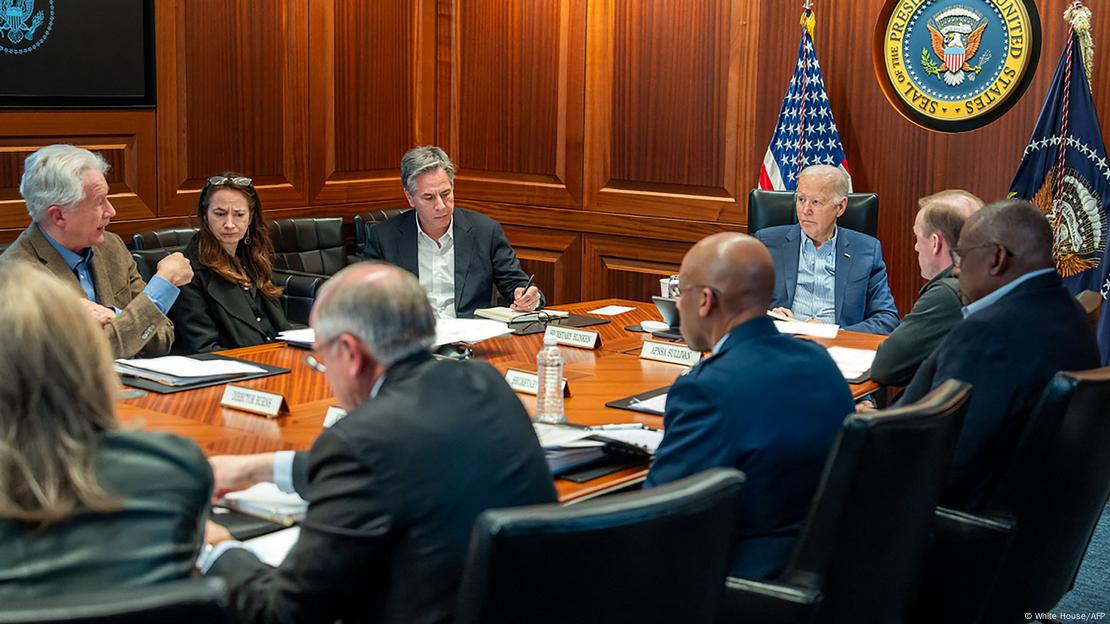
x=549, y=395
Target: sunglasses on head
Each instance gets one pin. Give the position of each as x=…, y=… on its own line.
x=237, y=181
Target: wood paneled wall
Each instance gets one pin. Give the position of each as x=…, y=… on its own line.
x=606, y=135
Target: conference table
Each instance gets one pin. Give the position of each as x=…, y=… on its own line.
x=612, y=371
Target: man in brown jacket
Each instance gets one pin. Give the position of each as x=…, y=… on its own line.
x=67, y=198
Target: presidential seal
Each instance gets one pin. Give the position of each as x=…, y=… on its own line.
x=956, y=65
x=23, y=27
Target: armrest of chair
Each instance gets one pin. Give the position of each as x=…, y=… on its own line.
x=965, y=555
x=746, y=600
x=298, y=283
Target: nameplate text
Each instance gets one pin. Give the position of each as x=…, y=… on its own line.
x=669, y=352
x=528, y=383
x=269, y=404
x=573, y=337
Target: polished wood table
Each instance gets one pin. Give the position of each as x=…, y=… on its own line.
x=612, y=371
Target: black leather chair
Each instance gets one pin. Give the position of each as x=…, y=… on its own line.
x=309, y=245
x=653, y=556
x=299, y=293
x=366, y=220
x=4, y=247
x=172, y=237
x=1020, y=551
x=180, y=602
x=863, y=545
x=770, y=208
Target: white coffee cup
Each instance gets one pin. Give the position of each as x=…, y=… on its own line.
x=665, y=286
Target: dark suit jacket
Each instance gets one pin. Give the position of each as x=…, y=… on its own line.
x=212, y=314
x=862, y=297
x=769, y=405
x=483, y=256
x=140, y=329
x=1008, y=352
x=163, y=484
x=393, y=490
x=937, y=311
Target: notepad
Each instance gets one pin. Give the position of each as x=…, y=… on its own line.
x=507, y=315
x=265, y=500
x=817, y=330
x=854, y=364
x=177, y=370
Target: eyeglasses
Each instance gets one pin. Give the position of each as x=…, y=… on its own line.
x=957, y=253
x=530, y=323
x=676, y=289
x=237, y=181
x=313, y=362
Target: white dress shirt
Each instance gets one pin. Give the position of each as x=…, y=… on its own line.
x=436, y=262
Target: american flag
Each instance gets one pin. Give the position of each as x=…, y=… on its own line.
x=806, y=132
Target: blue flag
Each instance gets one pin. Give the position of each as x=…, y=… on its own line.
x=1065, y=172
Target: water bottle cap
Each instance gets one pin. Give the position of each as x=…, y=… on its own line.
x=549, y=340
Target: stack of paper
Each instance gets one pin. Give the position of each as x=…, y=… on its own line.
x=644, y=439
x=470, y=331
x=177, y=370
x=566, y=448
x=817, y=330
x=304, y=338
x=507, y=315
x=265, y=500
x=854, y=364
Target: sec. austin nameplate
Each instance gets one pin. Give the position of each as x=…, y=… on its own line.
x=956, y=65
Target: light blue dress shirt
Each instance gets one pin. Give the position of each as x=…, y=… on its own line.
x=814, y=294
x=160, y=291
x=985, y=302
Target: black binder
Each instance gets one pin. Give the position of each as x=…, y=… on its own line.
x=160, y=388
x=630, y=403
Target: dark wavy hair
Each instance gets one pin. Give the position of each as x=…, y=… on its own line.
x=255, y=251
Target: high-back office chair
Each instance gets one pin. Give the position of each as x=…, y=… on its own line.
x=653, y=556
x=769, y=208
x=148, y=249
x=180, y=602
x=366, y=220
x=1020, y=551
x=862, y=548
x=309, y=245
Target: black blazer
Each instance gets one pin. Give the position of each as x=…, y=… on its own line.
x=393, y=490
x=1008, y=352
x=483, y=256
x=163, y=484
x=212, y=314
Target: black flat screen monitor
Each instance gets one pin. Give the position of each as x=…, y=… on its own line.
x=76, y=53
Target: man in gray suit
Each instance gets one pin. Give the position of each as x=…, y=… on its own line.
x=459, y=255
x=936, y=230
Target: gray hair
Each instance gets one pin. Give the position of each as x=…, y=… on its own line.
x=52, y=177
x=390, y=316
x=423, y=159
x=842, y=184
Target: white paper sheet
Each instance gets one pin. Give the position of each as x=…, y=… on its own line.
x=647, y=439
x=611, y=310
x=265, y=500
x=468, y=330
x=554, y=436
x=181, y=366
x=304, y=336
x=654, y=405
x=817, y=330
x=852, y=362
x=272, y=548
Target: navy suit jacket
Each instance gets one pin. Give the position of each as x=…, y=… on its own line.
x=767, y=404
x=1008, y=352
x=862, y=297
x=483, y=256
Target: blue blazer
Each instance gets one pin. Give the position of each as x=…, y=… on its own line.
x=484, y=259
x=1008, y=352
x=741, y=408
x=862, y=295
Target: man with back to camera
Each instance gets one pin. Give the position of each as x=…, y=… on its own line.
x=826, y=273
x=459, y=255
x=726, y=411
x=936, y=230
x=1020, y=328
x=67, y=198
x=395, y=486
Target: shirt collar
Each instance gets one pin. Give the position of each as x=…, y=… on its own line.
x=758, y=327
x=936, y=278
x=808, y=244
x=377, y=386
x=449, y=235
x=71, y=259
x=985, y=302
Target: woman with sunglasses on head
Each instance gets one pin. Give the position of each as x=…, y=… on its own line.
x=231, y=301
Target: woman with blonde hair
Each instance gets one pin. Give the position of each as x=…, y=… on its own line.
x=84, y=504
x=232, y=300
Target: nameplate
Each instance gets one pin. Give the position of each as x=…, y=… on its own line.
x=572, y=337
x=669, y=352
x=333, y=415
x=269, y=404
x=529, y=383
